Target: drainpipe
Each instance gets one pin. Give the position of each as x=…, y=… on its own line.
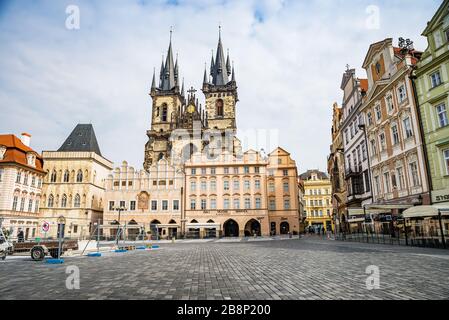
x=413, y=78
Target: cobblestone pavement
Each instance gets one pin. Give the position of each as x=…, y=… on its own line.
x=309, y=268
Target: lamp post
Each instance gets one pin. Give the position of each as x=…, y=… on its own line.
x=183, y=213
x=119, y=209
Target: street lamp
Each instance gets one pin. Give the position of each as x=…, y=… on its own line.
x=183, y=213
x=119, y=209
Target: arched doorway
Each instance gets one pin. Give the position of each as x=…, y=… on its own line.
x=133, y=230
x=155, y=231
x=285, y=227
x=172, y=231
x=252, y=228
x=231, y=228
x=211, y=232
x=113, y=230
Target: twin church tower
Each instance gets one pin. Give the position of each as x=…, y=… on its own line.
x=180, y=126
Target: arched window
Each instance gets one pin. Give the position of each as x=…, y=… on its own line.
x=164, y=112
x=64, y=201
x=219, y=107
x=66, y=176
x=77, y=202
x=79, y=176
x=53, y=176
x=51, y=200
x=160, y=157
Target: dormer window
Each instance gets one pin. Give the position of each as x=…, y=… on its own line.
x=31, y=159
x=378, y=68
x=2, y=152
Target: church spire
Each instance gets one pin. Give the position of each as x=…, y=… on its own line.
x=228, y=65
x=219, y=72
x=153, y=83
x=205, y=74
x=168, y=74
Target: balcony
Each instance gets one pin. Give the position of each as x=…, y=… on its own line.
x=353, y=172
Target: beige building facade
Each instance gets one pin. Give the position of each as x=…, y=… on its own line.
x=150, y=199
x=74, y=184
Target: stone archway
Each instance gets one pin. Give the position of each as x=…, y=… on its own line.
x=284, y=227
x=231, y=228
x=155, y=231
x=133, y=230
x=252, y=228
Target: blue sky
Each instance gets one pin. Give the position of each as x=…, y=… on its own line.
x=289, y=58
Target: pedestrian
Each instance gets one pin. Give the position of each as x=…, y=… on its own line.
x=20, y=236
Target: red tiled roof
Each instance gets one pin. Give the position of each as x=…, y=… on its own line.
x=16, y=152
x=364, y=84
x=416, y=55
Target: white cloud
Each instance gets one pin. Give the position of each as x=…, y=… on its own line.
x=289, y=57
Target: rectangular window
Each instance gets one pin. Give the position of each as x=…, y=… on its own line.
x=192, y=204
x=203, y=186
x=364, y=155
x=33, y=181
x=226, y=185
x=236, y=185
x=246, y=169
x=369, y=117
x=18, y=177
x=395, y=134
x=175, y=205
x=203, y=171
x=247, y=203
x=435, y=79
x=256, y=170
x=272, y=204
x=402, y=94
x=377, y=184
x=271, y=187
x=1, y=174
x=212, y=170
x=389, y=101
x=164, y=205
x=36, y=206
x=132, y=205
x=122, y=204
x=257, y=184
x=378, y=112
x=226, y=170
x=30, y=205
x=192, y=185
x=193, y=171
x=285, y=173
x=226, y=204
x=258, y=203
x=373, y=148
x=247, y=185
x=414, y=173
x=203, y=204
x=111, y=205
x=442, y=115
x=213, y=185
x=286, y=204
x=400, y=179
x=407, y=127
x=236, y=170
x=285, y=187
x=22, y=204
x=383, y=145
x=367, y=182
x=446, y=160
x=213, y=203
x=387, y=182
x=153, y=205
x=237, y=204
x=14, y=203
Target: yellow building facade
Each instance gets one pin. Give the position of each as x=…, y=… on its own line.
x=318, y=202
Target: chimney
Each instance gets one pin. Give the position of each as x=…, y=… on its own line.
x=26, y=139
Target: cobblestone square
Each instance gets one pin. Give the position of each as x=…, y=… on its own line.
x=309, y=268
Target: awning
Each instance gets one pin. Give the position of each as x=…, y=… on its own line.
x=361, y=212
x=387, y=206
x=170, y=225
x=356, y=220
x=203, y=225
x=425, y=211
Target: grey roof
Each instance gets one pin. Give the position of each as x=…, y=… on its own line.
x=308, y=175
x=82, y=138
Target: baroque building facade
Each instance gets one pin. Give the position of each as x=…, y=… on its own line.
x=21, y=176
x=398, y=165
x=74, y=184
